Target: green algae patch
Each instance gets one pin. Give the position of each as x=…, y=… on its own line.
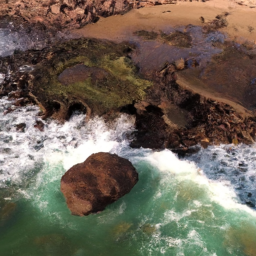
x=97, y=74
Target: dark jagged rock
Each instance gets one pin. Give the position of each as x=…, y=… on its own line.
x=68, y=13
x=184, y=119
x=102, y=179
x=152, y=129
x=194, y=108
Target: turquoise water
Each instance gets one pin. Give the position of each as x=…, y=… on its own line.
x=169, y=212
x=174, y=209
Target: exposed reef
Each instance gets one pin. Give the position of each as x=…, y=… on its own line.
x=176, y=106
x=92, y=75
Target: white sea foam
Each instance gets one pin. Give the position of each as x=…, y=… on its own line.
x=74, y=141
x=219, y=191
x=23, y=152
x=233, y=167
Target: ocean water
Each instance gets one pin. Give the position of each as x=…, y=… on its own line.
x=179, y=207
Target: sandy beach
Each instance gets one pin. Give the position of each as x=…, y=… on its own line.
x=241, y=20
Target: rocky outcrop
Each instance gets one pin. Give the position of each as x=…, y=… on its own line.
x=177, y=106
x=94, y=76
x=188, y=107
x=102, y=179
x=62, y=13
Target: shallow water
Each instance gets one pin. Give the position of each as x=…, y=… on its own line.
x=17, y=37
x=150, y=55
x=178, y=207
x=17, y=40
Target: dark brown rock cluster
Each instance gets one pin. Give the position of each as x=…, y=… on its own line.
x=102, y=179
x=175, y=117
x=220, y=21
x=188, y=119
x=62, y=13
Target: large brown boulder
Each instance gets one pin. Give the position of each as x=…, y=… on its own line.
x=100, y=180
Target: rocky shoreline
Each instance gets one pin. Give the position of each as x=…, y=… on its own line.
x=178, y=102
x=67, y=77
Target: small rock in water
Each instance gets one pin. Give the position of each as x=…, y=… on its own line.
x=20, y=127
x=38, y=146
x=100, y=180
x=180, y=64
x=39, y=125
x=249, y=203
x=121, y=228
x=7, y=139
x=205, y=142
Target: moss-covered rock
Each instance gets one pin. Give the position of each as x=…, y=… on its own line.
x=96, y=74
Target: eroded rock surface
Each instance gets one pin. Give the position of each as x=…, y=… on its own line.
x=62, y=13
x=93, y=75
x=102, y=179
x=194, y=105
x=178, y=103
